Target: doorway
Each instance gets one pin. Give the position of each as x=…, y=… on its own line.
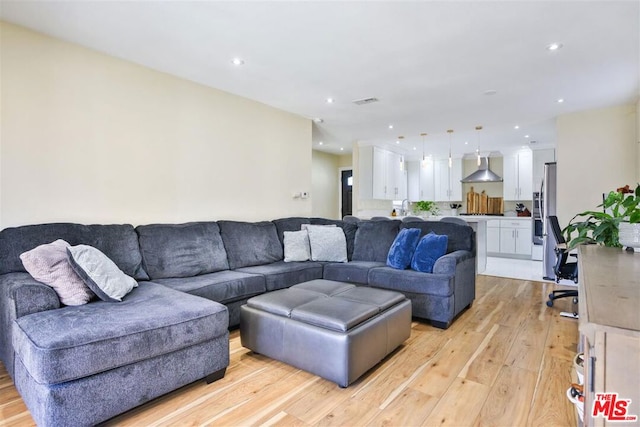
x=346, y=192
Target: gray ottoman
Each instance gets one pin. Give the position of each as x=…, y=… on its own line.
x=332, y=329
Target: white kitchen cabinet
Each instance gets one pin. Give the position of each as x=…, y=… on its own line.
x=382, y=174
x=447, y=185
x=515, y=236
x=427, y=186
x=518, y=176
x=413, y=181
x=493, y=236
x=396, y=177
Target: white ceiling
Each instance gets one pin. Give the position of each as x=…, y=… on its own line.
x=429, y=63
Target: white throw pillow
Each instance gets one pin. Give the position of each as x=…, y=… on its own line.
x=99, y=273
x=328, y=243
x=296, y=246
x=49, y=264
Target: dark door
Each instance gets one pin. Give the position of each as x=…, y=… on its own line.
x=347, y=192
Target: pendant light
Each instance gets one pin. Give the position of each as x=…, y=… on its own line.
x=400, y=138
x=424, y=158
x=450, y=131
x=478, y=129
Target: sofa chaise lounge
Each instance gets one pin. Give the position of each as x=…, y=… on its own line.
x=81, y=365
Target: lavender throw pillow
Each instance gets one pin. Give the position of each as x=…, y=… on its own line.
x=49, y=264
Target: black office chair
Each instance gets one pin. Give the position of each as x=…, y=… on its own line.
x=562, y=269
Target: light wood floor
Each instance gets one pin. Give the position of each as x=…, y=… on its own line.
x=504, y=362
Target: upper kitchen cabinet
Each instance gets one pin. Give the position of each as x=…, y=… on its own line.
x=420, y=180
x=540, y=157
x=427, y=184
x=382, y=174
x=447, y=185
x=518, y=176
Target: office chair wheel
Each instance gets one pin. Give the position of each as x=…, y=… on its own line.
x=550, y=303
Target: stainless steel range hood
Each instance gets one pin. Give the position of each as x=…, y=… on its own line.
x=483, y=174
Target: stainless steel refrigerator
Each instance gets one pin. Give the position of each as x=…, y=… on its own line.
x=548, y=191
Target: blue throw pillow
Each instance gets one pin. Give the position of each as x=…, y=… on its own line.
x=431, y=247
x=402, y=248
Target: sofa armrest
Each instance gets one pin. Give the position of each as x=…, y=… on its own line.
x=28, y=296
x=447, y=264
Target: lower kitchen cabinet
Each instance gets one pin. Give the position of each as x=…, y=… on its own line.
x=509, y=237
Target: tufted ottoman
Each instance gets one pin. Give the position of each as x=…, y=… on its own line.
x=332, y=329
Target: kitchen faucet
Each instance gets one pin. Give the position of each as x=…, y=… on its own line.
x=404, y=211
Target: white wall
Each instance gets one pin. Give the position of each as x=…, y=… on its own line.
x=90, y=138
x=596, y=153
x=638, y=139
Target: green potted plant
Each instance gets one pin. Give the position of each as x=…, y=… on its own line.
x=621, y=213
x=428, y=207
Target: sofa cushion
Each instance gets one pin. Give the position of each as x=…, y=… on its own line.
x=289, y=224
x=373, y=240
x=279, y=275
x=460, y=237
x=296, y=246
x=50, y=265
x=99, y=273
x=250, y=243
x=118, y=242
x=222, y=286
x=431, y=247
x=328, y=243
x=350, y=272
x=411, y=281
x=182, y=250
x=75, y=342
x=349, y=229
x=402, y=248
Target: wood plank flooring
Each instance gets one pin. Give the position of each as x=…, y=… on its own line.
x=504, y=362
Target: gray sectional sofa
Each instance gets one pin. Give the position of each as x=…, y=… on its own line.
x=81, y=365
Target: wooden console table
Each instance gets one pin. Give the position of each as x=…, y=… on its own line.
x=609, y=308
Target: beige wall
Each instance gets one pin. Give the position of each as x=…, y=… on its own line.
x=325, y=182
x=90, y=138
x=596, y=153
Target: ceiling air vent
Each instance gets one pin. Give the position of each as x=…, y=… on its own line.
x=365, y=101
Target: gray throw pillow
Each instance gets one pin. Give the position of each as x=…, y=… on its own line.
x=99, y=273
x=49, y=264
x=328, y=243
x=296, y=246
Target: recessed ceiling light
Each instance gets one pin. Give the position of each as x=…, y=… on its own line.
x=390, y=126
x=397, y=141
x=526, y=136
x=554, y=46
x=516, y=127
x=466, y=143
x=320, y=143
x=318, y=120
x=560, y=101
x=341, y=148
x=237, y=61
x=329, y=100
x=414, y=148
